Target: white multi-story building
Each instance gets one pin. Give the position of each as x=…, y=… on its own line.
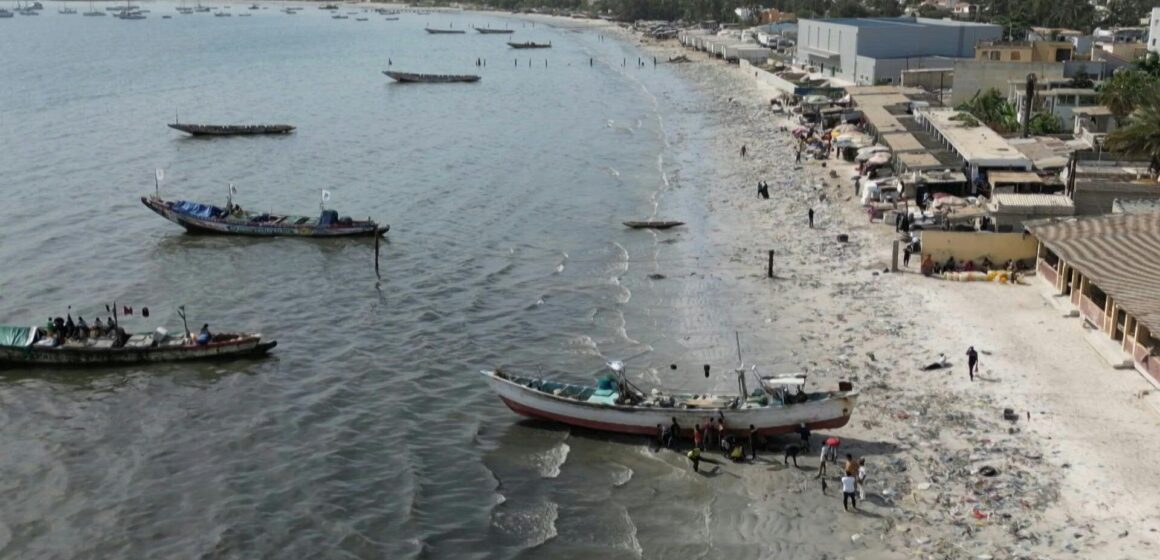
x=1154, y=31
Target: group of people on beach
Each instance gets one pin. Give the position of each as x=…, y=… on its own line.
x=714, y=434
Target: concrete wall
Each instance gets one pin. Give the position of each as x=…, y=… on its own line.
x=928, y=79
x=972, y=76
x=872, y=71
x=974, y=245
x=832, y=38
x=1095, y=199
x=925, y=39
x=768, y=78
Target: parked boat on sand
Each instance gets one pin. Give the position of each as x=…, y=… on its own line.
x=31, y=346
x=615, y=405
x=410, y=77
x=232, y=130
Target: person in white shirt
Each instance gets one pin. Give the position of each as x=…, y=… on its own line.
x=862, y=478
x=849, y=498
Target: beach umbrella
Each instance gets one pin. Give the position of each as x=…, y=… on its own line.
x=833, y=442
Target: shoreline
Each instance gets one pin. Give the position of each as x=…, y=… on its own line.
x=1063, y=485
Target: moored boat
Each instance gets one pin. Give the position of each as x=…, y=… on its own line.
x=443, y=31
x=233, y=220
x=410, y=77
x=490, y=31
x=33, y=346
x=530, y=45
x=5, y=13
x=653, y=225
x=614, y=405
x=232, y=130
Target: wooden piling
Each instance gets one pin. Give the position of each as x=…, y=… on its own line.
x=769, y=267
x=378, y=237
x=894, y=257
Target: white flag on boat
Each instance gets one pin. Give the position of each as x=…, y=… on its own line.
x=160, y=174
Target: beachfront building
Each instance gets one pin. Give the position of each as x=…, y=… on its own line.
x=874, y=51
x=1030, y=51
x=1108, y=267
x=1095, y=184
x=1154, y=31
x=1061, y=102
x=980, y=148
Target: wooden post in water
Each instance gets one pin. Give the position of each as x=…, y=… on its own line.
x=378, y=235
x=769, y=267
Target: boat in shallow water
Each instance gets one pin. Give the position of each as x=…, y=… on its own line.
x=653, y=224
x=410, y=77
x=530, y=45
x=31, y=346
x=232, y=130
x=490, y=31
x=209, y=219
x=615, y=405
x=444, y=31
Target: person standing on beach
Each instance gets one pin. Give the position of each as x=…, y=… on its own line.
x=849, y=498
x=797, y=158
x=752, y=442
x=721, y=435
x=694, y=456
x=698, y=437
x=822, y=465
x=743, y=149
x=804, y=432
x=811, y=218
x=972, y=362
x=906, y=256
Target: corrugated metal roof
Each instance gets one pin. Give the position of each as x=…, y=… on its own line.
x=1119, y=253
x=1011, y=201
x=997, y=177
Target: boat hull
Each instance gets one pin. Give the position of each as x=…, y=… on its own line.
x=413, y=78
x=217, y=226
x=232, y=130
x=829, y=413
x=445, y=31
x=529, y=46
x=250, y=346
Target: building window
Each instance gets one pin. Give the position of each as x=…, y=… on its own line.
x=1062, y=55
x=1015, y=55
x=994, y=55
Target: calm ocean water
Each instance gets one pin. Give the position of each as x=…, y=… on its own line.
x=367, y=433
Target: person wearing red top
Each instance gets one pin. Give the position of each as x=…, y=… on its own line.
x=698, y=438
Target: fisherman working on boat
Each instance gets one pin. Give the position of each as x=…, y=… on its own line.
x=204, y=336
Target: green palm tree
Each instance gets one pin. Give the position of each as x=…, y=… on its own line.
x=1140, y=136
x=1123, y=91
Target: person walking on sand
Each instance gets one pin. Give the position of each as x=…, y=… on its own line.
x=906, y=256
x=743, y=150
x=849, y=498
x=972, y=362
x=822, y=465
x=797, y=158
x=707, y=437
x=811, y=218
x=698, y=437
x=862, y=478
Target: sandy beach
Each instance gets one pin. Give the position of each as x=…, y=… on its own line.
x=1070, y=474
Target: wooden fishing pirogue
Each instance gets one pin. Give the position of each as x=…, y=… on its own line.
x=30, y=346
x=614, y=405
x=443, y=31
x=410, y=77
x=232, y=130
x=488, y=30
x=206, y=218
x=530, y=45
x=653, y=225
